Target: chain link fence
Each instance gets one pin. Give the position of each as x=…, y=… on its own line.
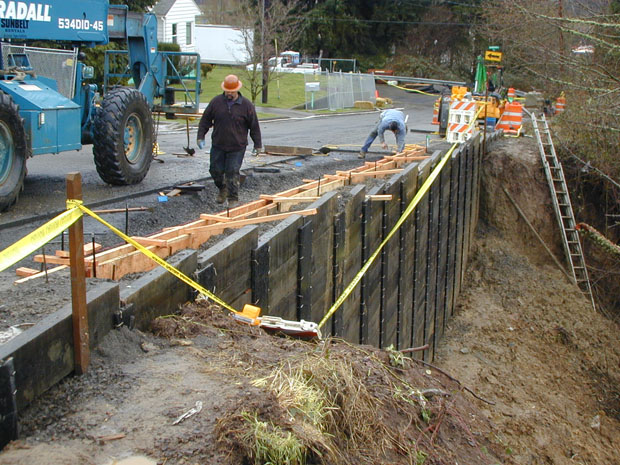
x=49, y=62
x=336, y=91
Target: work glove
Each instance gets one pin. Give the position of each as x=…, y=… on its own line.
x=200, y=143
x=257, y=150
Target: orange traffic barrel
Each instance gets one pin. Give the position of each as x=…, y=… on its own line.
x=560, y=103
x=511, y=119
x=436, y=112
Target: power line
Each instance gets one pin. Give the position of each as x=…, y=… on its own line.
x=445, y=2
x=382, y=21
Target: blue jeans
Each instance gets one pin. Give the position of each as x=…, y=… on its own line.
x=224, y=168
x=371, y=138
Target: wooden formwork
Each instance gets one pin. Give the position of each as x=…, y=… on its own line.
x=116, y=262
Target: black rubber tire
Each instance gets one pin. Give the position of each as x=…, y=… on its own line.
x=122, y=111
x=13, y=152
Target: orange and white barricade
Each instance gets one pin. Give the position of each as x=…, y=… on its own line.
x=560, y=103
x=511, y=119
x=511, y=94
x=460, y=121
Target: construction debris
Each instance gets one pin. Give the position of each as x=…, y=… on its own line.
x=190, y=413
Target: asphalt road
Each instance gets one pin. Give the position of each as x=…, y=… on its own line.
x=44, y=187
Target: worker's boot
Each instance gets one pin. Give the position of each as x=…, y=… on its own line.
x=233, y=191
x=362, y=154
x=222, y=195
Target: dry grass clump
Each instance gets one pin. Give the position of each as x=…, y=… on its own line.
x=326, y=415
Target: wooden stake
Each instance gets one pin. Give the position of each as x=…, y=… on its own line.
x=81, y=338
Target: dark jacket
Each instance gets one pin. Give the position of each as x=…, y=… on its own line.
x=230, y=126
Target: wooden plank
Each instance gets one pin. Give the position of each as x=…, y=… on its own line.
x=352, y=255
x=88, y=250
x=51, y=259
x=334, y=177
x=374, y=174
x=293, y=200
x=24, y=271
x=408, y=158
x=310, y=188
x=148, y=241
x=287, y=150
x=260, y=219
x=136, y=261
x=210, y=217
x=40, y=274
x=390, y=309
x=173, y=193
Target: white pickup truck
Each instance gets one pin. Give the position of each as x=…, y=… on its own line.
x=287, y=62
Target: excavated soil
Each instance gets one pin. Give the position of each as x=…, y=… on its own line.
x=527, y=373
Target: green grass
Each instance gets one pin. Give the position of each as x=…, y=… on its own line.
x=291, y=87
x=262, y=115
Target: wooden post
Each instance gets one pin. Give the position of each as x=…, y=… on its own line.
x=81, y=336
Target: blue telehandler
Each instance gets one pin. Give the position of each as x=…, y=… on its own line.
x=47, y=104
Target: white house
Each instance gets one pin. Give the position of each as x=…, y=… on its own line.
x=176, y=22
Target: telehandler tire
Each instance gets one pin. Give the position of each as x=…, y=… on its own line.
x=123, y=137
x=13, y=152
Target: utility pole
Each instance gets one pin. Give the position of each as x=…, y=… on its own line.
x=264, y=59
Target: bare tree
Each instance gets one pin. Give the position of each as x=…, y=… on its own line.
x=571, y=47
x=268, y=24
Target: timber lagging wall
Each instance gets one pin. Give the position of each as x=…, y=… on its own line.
x=302, y=265
x=296, y=270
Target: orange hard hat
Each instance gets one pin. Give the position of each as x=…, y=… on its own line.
x=231, y=83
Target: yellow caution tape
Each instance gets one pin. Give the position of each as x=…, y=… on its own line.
x=38, y=238
x=167, y=266
x=411, y=90
x=416, y=199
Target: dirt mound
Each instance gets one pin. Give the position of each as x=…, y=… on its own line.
x=525, y=336
x=527, y=373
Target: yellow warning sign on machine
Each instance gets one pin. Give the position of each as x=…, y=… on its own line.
x=491, y=55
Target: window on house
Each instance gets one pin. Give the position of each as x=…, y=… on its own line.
x=174, y=33
x=188, y=33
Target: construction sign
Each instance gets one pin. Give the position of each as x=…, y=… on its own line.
x=491, y=55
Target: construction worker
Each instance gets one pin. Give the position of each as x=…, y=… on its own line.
x=394, y=120
x=231, y=115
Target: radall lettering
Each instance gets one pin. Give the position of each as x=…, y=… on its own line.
x=25, y=11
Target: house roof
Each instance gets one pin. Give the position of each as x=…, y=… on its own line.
x=162, y=7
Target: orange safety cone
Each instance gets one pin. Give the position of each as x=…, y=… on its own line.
x=376, y=93
x=511, y=94
x=560, y=103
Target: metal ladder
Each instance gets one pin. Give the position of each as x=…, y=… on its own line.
x=562, y=206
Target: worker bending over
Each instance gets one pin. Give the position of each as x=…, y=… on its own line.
x=231, y=115
x=394, y=120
